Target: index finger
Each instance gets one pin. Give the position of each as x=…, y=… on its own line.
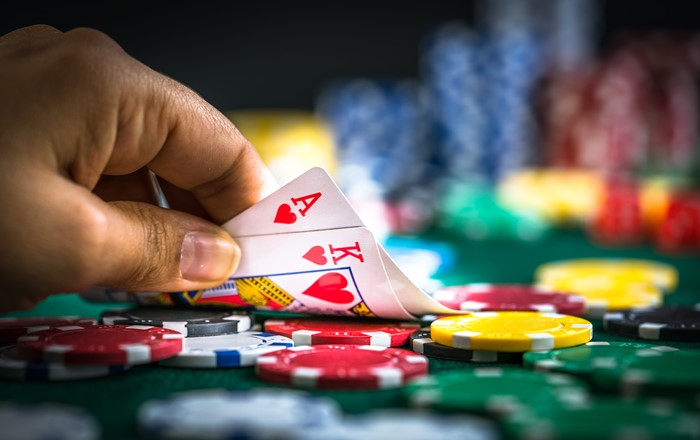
x=186, y=141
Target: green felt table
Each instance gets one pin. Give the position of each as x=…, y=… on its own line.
x=115, y=400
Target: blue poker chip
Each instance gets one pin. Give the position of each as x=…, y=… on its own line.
x=259, y=413
x=13, y=367
x=226, y=351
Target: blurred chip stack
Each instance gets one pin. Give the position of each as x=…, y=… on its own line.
x=381, y=133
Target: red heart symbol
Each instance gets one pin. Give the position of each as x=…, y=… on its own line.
x=285, y=214
x=330, y=288
x=315, y=255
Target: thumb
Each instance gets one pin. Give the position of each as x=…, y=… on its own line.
x=156, y=249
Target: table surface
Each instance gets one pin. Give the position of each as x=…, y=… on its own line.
x=115, y=400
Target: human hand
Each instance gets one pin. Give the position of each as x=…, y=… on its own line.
x=81, y=123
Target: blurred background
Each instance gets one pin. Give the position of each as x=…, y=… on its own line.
x=491, y=119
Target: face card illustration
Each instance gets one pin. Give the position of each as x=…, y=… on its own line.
x=329, y=271
x=310, y=202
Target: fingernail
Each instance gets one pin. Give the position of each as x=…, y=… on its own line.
x=207, y=257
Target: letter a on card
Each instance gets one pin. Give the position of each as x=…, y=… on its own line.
x=311, y=202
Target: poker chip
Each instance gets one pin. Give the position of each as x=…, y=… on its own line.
x=341, y=367
x=47, y=421
x=671, y=323
x=190, y=322
x=518, y=297
x=13, y=367
x=422, y=344
x=648, y=370
x=13, y=328
x=608, y=294
x=316, y=331
x=224, y=351
x=584, y=359
x=605, y=418
x=101, y=344
x=407, y=424
x=511, y=331
x=227, y=414
x=662, y=275
x=493, y=391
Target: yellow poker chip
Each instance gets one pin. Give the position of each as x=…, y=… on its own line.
x=603, y=294
x=661, y=275
x=511, y=331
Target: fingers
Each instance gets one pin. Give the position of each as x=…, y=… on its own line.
x=151, y=248
x=32, y=31
x=78, y=241
x=197, y=148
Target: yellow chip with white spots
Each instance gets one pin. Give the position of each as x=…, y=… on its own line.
x=661, y=275
x=511, y=331
x=603, y=294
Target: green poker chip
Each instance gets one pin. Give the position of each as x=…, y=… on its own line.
x=605, y=418
x=583, y=359
x=494, y=391
x=649, y=371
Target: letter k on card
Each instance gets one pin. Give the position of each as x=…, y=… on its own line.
x=311, y=202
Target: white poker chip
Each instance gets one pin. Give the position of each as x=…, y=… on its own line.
x=226, y=351
x=47, y=421
x=13, y=367
x=259, y=413
x=407, y=424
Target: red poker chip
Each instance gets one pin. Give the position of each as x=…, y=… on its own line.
x=13, y=328
x=341, y=367
x=317, y=331
x=101, y=344
x=518, y=297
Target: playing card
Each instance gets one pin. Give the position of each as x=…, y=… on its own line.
x=337, y=271
x=305, y=249
x=311, y=202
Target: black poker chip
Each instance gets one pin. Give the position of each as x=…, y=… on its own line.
x=189, y=322
x=669, y=323
x=420, y=342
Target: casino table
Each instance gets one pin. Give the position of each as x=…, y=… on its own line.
x=114, y=400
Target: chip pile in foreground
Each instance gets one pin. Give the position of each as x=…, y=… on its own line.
x=511, y=331
x=406, y=424
x=494, y=391
x=101, y=344
x=605, y=418
x=583, y=360
x=651, y=372
x=227, y=414
x=316, y=331
x=47, y=421
x=341, y=367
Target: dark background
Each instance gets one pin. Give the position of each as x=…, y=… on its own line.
x=244, y=55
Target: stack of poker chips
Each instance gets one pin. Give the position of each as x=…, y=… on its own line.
x=70, y=348
x=381, y=132
x=632, y=110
